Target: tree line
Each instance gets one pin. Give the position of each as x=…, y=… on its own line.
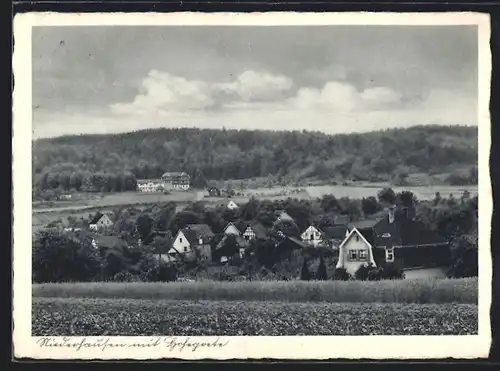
x=240, y=154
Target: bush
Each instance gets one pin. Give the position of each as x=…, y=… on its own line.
x=162, y=273
x=363, y=272
x=391, y=272
x=341, y=274
x=125, y=277
x=321, y=273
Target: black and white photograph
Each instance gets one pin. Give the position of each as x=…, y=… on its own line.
x=244, y=181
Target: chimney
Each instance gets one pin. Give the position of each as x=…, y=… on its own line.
x=392, y=214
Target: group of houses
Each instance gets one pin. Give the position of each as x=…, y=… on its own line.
x=169, y=181
x=390, y=236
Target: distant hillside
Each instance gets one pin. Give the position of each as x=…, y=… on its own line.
x=390, y=155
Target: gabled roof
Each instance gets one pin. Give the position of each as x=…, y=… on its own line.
x=240, y=242
x=96, y=217
x=194, y=232
x=176, y=173
x=289, y=230
x=231, y=224
x=146, y=181
x=314, y=225
x=352, y=232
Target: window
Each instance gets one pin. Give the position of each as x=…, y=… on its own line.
x=185, y=249
x=180, y=239
x=312, y=236
x=389, y=255
x=357, y=238
x=363, y=254
x=353, y=255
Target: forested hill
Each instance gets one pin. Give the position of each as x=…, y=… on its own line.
x=231, y=154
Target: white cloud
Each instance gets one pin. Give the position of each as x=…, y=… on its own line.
x=439, y=107
x=338, y=107
x=256, y=86
x=343, y=97
x=163, y=91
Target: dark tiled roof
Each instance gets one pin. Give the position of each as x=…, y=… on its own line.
x=335, y=232
x=364, y=224
x=297, y=242
x=240, y=241
x=96, y=218
x=194, y=232
x=289, y=230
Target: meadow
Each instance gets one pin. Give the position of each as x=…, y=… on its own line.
x=418, y=291
x=396, y=307
x=126, y=317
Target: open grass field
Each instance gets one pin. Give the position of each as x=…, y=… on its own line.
x=125, y=317
x=403, y=307
x=419, y=291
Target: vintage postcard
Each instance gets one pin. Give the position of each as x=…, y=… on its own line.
x=245, y=186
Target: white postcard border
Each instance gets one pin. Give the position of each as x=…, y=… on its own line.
x=283, y=347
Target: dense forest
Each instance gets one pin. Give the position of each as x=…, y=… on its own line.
x=390, y=155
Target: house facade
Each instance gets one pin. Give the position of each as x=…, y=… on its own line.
x=176, y=181
x=231, y=205
x=398, y=239
x=150, y=185
x=193, y=241
x=100, y=221
x=253, y=231
x=312, y=236
x=232, y=230
x=355, y=251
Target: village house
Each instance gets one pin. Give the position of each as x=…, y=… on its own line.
x=214, y=192
x=287, y=227
x=394, y=237
x=231, y=247
x=231, y=205
x=354, y=251
x=150, y=185
x=100, y=221
x=176, y=181
x=231, y=230
x=290, y=248
x=194, y=241
x=312, y=236
x=253, y=230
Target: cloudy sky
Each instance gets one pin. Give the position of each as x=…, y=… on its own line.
x=336, y=79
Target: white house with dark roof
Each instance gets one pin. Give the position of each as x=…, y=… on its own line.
x=100, y=221
x=232, y=230
x=354, y=251
x=192, y=240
